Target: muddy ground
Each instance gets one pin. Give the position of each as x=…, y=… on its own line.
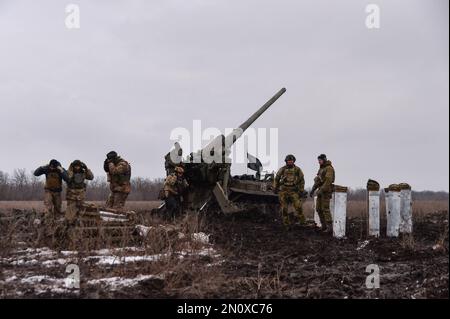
x=265, y=260
x=242, y=256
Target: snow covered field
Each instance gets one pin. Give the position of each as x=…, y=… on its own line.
x=44, y=272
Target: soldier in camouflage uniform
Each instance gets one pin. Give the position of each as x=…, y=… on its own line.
x=175, y=187
x=290, y=184
x=54, y=175
x=119, y=175
x=78, y=172
x=323, y=183
x=173, y=159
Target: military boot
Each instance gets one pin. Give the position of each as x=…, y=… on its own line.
x=285, y=218
x=302, y=220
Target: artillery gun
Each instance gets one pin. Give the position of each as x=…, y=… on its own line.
x=211, y=186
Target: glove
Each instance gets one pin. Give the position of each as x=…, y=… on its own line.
x=106, y=165
x=303, y=194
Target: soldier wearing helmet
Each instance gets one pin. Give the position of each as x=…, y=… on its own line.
x=54, y=175
x=119, y=174
x=175, y=187
x=78, y=173
x=173, y=159
x=323, y=183
x=289, y=183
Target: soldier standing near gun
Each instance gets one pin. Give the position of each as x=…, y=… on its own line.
x=54, y=175
x=175, y=186
x=119, y=175
x=173, y=159
x=323, y=183
x=290, y=184
x=77, y=173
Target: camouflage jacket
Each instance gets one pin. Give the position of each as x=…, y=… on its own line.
x=77, y=180
x=173, y=159
x=175, y=185
x=325, y=178
x=119, y=175
x=53, y=177
x=290, y=178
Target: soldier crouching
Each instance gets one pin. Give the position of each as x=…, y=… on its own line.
x=77, y=173
x=175, y=186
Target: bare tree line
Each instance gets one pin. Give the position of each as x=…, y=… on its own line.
x=22, y=185
x=361, y=194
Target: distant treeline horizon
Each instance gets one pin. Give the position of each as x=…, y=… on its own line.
x=24, y=186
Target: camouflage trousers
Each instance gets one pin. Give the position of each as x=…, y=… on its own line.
x=323, y=208
x=52, y=202
x=173, y=205
x=75, y=201
x=291, y=197
x=116, y=200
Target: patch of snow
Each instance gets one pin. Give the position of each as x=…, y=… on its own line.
x=12, y=278
x=203, y=252
x=45, y=284
x=33, y=279
x=36, y=252
x=207, y=252
x=111, y=251
x=217, y=263
x=201, y=238
x=116, y=260
x=363, y=245
x=68, y=252
x=143, y=230
x=24, y=262
x=114, y=283
x=55, y=262
x=112, y=219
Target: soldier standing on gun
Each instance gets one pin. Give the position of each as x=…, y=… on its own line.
x=323, y=183
x=175, y=186
x=290, y=184
x=77, y=173
x=119, y=175
x=54, y=175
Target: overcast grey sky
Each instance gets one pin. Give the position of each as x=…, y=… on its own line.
x=376, y=101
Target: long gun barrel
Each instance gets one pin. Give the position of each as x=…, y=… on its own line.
x=221, y=141
x=261, y=110
x=231, y=138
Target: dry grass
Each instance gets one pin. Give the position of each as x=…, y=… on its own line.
x=355, y=208
x=191, y=276
x=186, y=272
x=358, y=208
